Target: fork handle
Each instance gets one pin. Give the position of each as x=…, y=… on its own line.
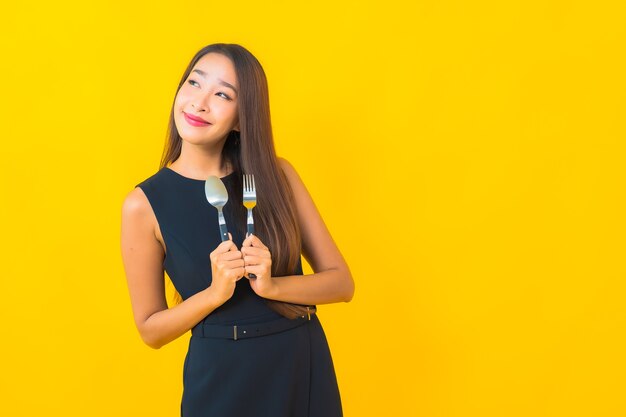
x=251, y=231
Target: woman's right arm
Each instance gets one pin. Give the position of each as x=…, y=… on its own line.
x=142, y=255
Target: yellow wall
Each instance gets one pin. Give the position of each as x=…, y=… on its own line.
x=468, y=158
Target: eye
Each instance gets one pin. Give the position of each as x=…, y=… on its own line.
x=225, y=96
x=193, y=81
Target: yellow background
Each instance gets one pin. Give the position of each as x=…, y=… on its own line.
x=468, y=158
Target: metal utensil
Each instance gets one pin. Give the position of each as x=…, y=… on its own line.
x=249, y=201
x=217, y=195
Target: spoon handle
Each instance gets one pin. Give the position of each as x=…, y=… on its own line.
x=222, y=222
x=223, y=232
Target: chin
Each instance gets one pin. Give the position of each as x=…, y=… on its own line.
x=196, y=139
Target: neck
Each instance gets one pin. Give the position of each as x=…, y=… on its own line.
x=200, y=162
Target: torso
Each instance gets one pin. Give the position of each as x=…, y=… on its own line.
x=156, y=228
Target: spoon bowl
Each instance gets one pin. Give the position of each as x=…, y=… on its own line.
x=217, y=196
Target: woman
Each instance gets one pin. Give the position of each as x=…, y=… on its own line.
x=245, y=357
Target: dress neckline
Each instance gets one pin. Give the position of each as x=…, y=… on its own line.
x=194, y=179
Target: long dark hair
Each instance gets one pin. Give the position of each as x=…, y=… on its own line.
x=251, y=151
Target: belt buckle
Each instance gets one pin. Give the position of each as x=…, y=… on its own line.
x=235, y=332
x=308, y=313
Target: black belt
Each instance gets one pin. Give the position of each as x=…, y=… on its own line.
x=245, y=331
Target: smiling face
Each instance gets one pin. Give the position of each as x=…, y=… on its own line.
x=205, y=109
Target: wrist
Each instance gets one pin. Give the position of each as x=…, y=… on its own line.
x=273, y=290
x=212, y=298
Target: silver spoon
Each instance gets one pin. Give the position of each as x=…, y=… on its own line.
x=217, y=195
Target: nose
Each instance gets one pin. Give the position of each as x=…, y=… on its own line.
x=201, y=101
x=198, y=107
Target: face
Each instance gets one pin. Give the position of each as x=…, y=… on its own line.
x=205, y=109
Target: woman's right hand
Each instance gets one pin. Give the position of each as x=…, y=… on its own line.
x=227, y=267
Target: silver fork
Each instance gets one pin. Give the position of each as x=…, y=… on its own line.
x=249, y=201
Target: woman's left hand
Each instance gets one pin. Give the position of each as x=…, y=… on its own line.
x=258, y=261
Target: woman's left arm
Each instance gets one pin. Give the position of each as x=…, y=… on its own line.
x=331, y=281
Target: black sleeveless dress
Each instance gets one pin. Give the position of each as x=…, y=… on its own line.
x=285, y=374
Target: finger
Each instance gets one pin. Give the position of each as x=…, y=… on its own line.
x=224, y=247
x=235, y=263
x=252, y=251
x=258, y=270
x=241, y=273
x=253, y=260
x=232, y=245
x=230, y=267
x=227, y=244
x=237, y=273
x=231, y=255
x=226, y=251
x=225, y=256
x=256, y=242
x=247, y=241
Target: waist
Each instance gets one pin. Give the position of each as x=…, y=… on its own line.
x=244, y=331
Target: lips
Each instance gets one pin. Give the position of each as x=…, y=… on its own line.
x=195, y=121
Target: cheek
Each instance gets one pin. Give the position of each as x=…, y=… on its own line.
x=180, y=98
x=228, y=111
x=183, y=95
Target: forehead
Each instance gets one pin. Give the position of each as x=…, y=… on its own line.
x=217, y=66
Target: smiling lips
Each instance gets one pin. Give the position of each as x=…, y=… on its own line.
x=195, y=121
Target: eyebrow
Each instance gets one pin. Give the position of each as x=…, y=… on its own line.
x=222, y=82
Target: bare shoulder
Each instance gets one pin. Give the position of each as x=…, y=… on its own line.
x=304, y=201
x=137, y=213
x=136, y=203
x=297, y=184
x=289, y=170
